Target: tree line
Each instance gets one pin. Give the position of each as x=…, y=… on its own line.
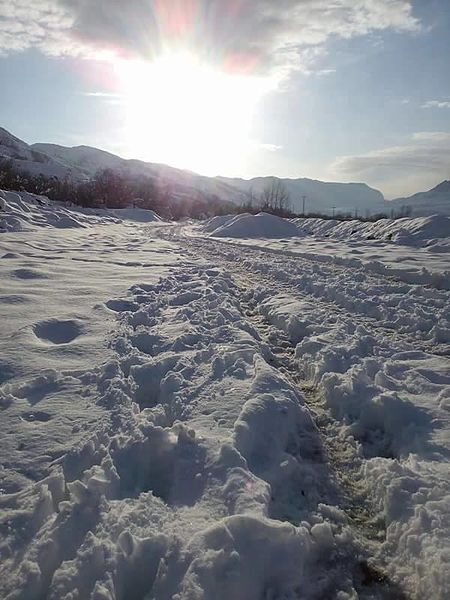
x=113, y=189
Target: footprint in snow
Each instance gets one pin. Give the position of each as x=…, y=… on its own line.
x=58, y=331
x=29, y=274
x=35, y=416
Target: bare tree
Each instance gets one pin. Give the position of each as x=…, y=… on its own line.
x=275, y=198
x=249, y=201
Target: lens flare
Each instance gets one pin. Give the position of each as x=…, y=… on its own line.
x=184, y=112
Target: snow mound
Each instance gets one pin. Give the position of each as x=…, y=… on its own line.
x=21, y=211
x=420, y=231
x=212, y=224
x=138, y=215
x=261, y=225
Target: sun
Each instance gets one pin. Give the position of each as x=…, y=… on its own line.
x=183, y=112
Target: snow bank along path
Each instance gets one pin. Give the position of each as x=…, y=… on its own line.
x=24, y=212
x=417, y=231
x=372, y=357
x=414, y=250
x=267, y=427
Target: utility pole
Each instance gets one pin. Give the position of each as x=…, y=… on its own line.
x=333, y=209
x=304, y=201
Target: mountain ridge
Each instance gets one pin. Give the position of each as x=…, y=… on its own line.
x=437, y=197
x=82, y=162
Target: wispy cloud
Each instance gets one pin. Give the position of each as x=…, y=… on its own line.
x=431, y=136
x=259, y=35
x=271, y=147
x=102, y=95
x=436, y=104
x=426, y=157
x=427, y=150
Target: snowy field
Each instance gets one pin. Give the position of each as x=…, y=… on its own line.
x=241, y=409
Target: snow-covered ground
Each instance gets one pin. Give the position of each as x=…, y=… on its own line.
x=412, y=250
x=193, y=417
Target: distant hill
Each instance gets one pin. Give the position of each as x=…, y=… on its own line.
x=434, y=201
x=82, y=162
x=29, y=159
x=319, y=196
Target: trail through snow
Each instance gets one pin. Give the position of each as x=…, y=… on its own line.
x=189, y=418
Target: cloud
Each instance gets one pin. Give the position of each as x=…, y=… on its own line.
x=426, y=158
x=256, y=35
x=102, y=95
x=436, y=104
x=431, y=151
x=271, y=147
x=431, y=136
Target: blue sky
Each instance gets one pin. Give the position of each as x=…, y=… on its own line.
x=359, y=92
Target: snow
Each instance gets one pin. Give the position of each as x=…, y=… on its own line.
x=244, y=225
x=136, y=214
x=420, y=231
x=24, y=211
x=192, y=417
x=412, y=250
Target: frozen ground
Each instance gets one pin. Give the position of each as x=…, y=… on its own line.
x=186, y=418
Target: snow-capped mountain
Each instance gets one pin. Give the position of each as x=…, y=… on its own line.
x=436, y=200
x=29, y=159
x=82, y=162
x=320, y=196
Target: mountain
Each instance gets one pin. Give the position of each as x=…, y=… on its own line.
x=319, y=195
x=82, y=162
x=434, y=201
x=29, y=159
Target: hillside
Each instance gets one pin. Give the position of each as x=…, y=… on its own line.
x=82, y=162
x=321, y=196
x=29, y=159
x=436, y=200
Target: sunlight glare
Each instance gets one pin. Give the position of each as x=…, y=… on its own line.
x=188, y=114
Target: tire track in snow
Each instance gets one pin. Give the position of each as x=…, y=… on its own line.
x=259, y=270
x=193, y=486
x=353, y=497
x=203, y=428
x=413, y=334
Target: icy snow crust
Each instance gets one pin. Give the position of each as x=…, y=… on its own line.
x=211, y=422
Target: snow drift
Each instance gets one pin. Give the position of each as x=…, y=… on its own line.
x=21, y=211
x=245, y=225
x=420, y=231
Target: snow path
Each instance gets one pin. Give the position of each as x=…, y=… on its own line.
x=265, y=427
x=380, y=377
x=415, y=251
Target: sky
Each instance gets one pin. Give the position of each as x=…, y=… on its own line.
x=348, y=90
